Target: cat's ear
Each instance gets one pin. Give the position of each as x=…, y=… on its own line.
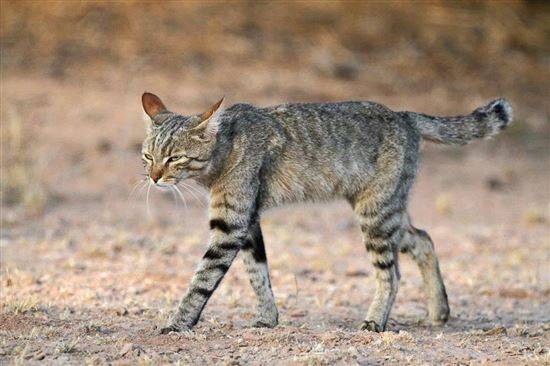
x=210, y=112
x=153, y=106
x=209, y=123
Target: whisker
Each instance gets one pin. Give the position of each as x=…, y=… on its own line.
x=198, y=189
x=137, y=186
x=200, y=192
x=174, y=196
x=186, y=187
x=147, y=201
x=181, y=195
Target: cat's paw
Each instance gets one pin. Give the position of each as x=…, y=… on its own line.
x=264, y=323
x=371, y=326
x=440, y=319
x=175, y=328
x=439, y=313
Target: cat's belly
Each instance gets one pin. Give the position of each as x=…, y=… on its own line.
x=304, y=186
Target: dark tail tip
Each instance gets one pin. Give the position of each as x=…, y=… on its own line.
x=502, y=109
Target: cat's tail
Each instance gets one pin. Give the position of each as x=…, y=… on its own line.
x=483, y=122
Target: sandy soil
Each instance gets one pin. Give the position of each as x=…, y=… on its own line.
x=88, y=278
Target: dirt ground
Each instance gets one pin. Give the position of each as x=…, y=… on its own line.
x=89, y=273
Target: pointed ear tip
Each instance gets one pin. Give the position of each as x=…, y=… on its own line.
x=147, y=95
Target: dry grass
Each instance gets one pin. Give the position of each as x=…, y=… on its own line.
x=22, y=306
x=67, y=346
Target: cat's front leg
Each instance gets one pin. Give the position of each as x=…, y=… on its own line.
x=230, y=220
x=223, y=248
x=213, y=266
x=255, y=261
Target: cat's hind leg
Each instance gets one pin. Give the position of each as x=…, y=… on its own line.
x=380, y=208
x=418, y=244
x=381, y=235
x=255, y=262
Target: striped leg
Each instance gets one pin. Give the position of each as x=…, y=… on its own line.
x=229, y=226
x=380, y=207
x=255, y=261
x=419, y=245
x=381, y=233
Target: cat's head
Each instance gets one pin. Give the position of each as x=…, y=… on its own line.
x=177, y=147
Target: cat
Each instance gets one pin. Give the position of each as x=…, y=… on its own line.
x=252, y=159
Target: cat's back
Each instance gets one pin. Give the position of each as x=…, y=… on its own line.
x=345, y=119
x=337, y=113
x=319, y=132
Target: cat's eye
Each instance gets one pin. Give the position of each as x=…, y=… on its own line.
x=173, y=158
x=148, y=157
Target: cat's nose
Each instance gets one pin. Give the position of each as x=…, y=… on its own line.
x=155, y=175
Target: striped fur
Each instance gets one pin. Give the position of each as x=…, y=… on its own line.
x=253, y=159
x=484, y=122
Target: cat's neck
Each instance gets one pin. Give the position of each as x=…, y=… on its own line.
x=219, y=158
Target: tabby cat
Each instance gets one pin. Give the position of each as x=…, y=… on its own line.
x=252, y=159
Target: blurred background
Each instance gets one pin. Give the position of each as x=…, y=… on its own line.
x=73, y=72
x=72, y=124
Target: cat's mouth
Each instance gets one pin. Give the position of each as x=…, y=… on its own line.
x=169, y=183
x=164, y=185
